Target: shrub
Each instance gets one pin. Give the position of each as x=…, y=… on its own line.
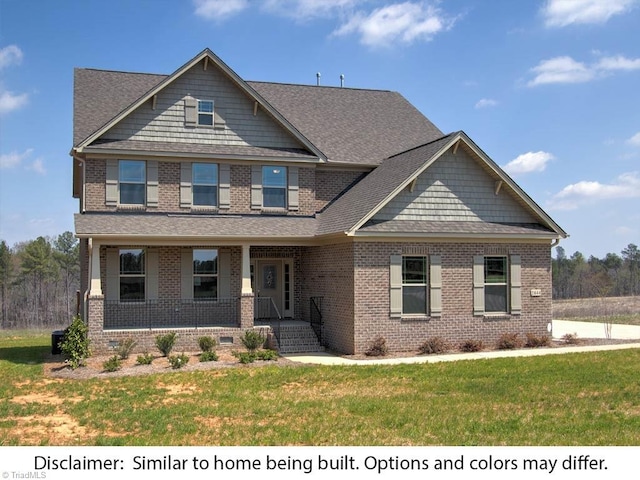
x=571, y=338
x=252, y=340
x=245, y=357
x=178, y=361
x=535, y=341
x=267, y=355
x=126, y=347
x=208, y=356
x=509, y=341
x=113, y=364
x=207, y=343
x=471, y=346
x=378, y=348
x=144, y=359
x=434, y=345
x=75, y=343
x=166, y=342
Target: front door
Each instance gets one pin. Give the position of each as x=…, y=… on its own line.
x=270, y=282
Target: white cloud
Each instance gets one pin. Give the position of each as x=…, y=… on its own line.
x=397, y=23
x=567, y=70
x=618, y=62
x=14, y=159
x=528, y=162
x=219, y=9
x=635, y=140
x=11, y=55
x=560, y=13
x=37, y=166
x=10, y=101
x=572, y=196
x=307, y=9
x=486, y=102
x=560, y=70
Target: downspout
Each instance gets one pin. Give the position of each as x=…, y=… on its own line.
x=84, y=181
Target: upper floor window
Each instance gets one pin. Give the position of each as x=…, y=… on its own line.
x=274, y=187
x=132, y=275
x=205, y=112
x=414, y=285
x=132, y=178
x=205, y=274
x=495, y=284
x=205, y=184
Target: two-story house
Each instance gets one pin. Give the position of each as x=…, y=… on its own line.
x=210, y=205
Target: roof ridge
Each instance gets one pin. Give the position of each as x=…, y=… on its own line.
x=424, y=144
x=335, y=87
x=107, y=70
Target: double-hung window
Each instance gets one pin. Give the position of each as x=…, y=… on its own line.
x=496, y=284
x=132, y=275
x=414, y=285
x=274, y=187
x=205, y=274
x=205, y=184
x=205, y=112
x=132, y=178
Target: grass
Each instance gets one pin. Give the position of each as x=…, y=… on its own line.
x=571, y=399
x=617, y=310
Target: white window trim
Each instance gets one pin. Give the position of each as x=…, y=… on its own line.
x=217, y=185
x=143, y=275
x=284, y=189
x=213, y=275
x=424, y=285
x=211, y=114
x=143, y=182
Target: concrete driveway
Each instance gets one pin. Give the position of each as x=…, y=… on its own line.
x=594, y=330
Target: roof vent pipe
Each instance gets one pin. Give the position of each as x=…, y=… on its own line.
x=318, y=78
x=341, y=80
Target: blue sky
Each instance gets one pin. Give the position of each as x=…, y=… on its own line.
x=549, y=89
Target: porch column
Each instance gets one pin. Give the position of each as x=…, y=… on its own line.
x=95, y=283
x=247, y=296
x=246, y=270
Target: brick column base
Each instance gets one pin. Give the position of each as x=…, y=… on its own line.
x=246, y=310
x=95, y=315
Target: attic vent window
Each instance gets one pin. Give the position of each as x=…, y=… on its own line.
x=205, y=112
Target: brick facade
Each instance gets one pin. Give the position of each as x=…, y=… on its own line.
x=169, y=189
x=457, y=322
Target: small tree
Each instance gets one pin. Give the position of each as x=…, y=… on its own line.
x=75, y=343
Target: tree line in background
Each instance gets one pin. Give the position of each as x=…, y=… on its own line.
x=612, y=276
x=38, y=282
x=39, y=279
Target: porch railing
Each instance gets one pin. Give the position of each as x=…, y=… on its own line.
x=265, y=309
x=315, y=309
x=171, y=313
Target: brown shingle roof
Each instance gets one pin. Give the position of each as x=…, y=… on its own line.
x=99, y=95
x=351, y=125
x=444, y=228
x=347, y=125
x=185, y=226
x=202, y=149
x=356, y=203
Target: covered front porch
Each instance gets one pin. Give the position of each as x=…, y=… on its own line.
x=196, y=289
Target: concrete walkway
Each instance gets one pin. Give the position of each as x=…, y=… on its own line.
x=560, y=328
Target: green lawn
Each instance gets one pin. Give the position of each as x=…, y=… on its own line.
x=572, y=399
